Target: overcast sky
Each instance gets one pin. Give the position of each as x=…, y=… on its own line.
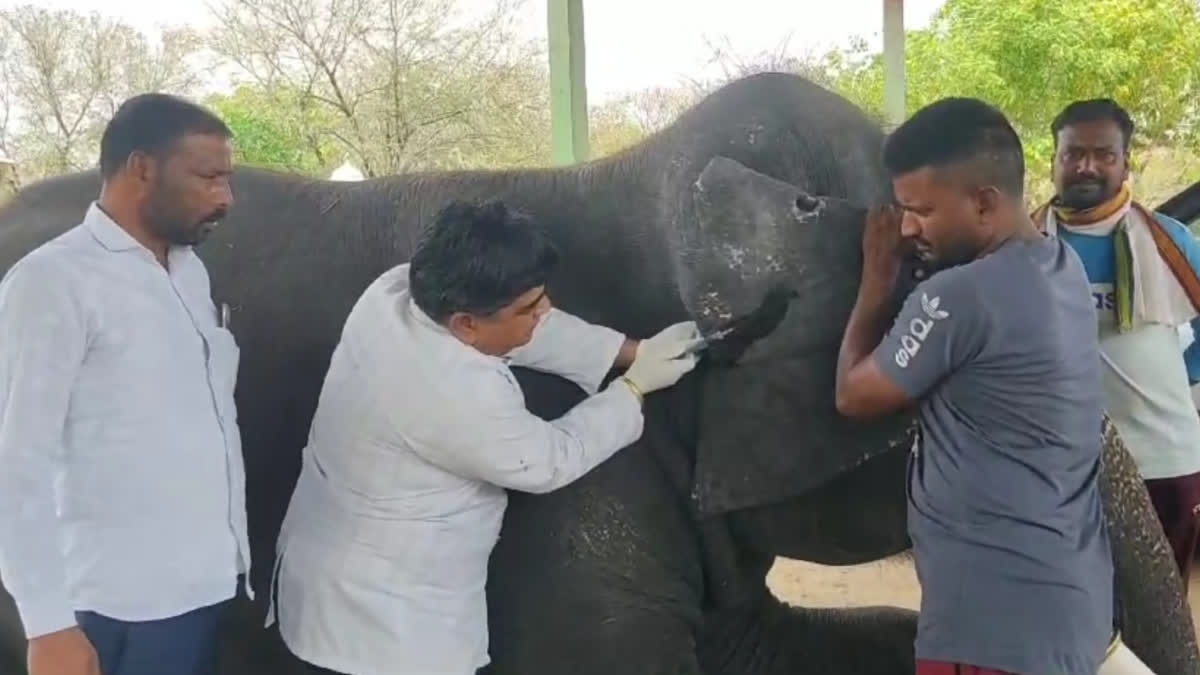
x=631, y=44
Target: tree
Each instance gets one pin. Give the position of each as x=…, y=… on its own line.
x=734, y=65
x=1032, y=57
x=628, y=119
x=272, y=129
x=404, y=84
x=65, y=73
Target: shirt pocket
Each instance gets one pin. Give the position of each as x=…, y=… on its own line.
x=223, y=358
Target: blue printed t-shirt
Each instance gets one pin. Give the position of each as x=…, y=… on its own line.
x=1004, y=508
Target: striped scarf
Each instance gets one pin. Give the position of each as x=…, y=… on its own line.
x=1110, y=217
x=1154, y=281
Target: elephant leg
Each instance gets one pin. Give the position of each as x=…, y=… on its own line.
x=773, y=638
x=1156, y=622
x=602, y=577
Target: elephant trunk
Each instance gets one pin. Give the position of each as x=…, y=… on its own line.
x=1156, y=622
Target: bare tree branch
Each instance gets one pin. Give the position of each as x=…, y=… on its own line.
x=64, y=74
x=403, y=77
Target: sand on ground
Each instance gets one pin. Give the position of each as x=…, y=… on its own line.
x=887, y=582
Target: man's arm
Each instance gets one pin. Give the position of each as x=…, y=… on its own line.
x=941, y=326
x=40, y=354
x=938, y=327
x=565, y=345
x=861, y=388
x=494, y=438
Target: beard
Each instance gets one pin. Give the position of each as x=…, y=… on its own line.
x=949, y=254
x=176, y=226
x=1085, y=193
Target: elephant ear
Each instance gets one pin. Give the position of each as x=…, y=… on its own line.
x=769, y=429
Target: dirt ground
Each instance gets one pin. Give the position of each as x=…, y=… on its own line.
x=887, y=582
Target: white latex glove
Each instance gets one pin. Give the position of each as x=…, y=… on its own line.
x=657, y=363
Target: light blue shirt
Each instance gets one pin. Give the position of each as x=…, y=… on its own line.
x=121, y=477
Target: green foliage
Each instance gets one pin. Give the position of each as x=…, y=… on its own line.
x=1032, y=57
x=273, y=129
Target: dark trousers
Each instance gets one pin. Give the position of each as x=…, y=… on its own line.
x=179, y=645
x=1176, y=500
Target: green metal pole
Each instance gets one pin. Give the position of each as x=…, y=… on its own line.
x=568, y=81
x=893, y=62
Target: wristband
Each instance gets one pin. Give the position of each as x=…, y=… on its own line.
x=633, y=388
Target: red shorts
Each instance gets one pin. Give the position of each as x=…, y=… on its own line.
x=940, y=668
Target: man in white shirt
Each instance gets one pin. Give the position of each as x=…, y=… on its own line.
x=421, y=427
x=122, y=519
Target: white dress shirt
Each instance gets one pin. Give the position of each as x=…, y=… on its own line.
x=121, y=478
x=383, y=553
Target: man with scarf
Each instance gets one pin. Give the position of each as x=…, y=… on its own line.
x=1143, y=269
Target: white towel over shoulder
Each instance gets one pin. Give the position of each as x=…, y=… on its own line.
x=1158, y=296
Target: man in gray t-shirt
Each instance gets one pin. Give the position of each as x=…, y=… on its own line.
x=999, y=348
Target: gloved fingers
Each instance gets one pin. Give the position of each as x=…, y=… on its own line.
x=687, y=348
x=687, y=363
x=684, y=330
x=658, y=371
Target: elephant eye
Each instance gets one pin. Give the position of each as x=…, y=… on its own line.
x=807, y=203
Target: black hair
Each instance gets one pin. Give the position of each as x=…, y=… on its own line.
x=1094, y=110
x=152, y=123
x=956, y=130
x=478, y=258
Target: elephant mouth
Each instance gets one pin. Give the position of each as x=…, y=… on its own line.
x=743, y=332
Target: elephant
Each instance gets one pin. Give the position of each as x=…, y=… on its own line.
x=656, y=561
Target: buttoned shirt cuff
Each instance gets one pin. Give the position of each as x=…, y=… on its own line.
x=46, y=613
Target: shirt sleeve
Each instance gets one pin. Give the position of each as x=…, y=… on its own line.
x=565, y=345
x=43, y=347
x=1183, y=238
x=941, y=326
x=506, y=445
x=1190, y=247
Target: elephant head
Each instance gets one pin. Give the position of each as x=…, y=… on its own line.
x=756, y=237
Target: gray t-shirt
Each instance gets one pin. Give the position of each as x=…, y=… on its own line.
x=1003, y=503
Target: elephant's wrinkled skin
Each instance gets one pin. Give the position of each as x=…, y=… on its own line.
x=655, y=562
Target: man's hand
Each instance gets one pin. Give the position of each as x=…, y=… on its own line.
x=660, y=361
x=64, y=652
x=881, y=247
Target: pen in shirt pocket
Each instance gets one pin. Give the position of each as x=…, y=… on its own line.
x=223, y=318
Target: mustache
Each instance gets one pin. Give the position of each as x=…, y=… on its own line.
x=214, y=216
x=1087, y=181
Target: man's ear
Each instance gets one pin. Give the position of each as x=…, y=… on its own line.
x=141, y=166
x=988, y=201
x=463, y=326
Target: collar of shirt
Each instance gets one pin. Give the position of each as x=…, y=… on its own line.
x=115, y=238
x=444, y=337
